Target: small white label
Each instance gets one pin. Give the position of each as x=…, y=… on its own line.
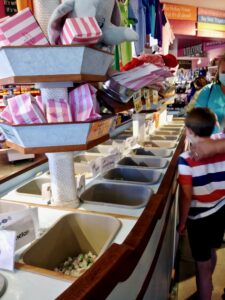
x=7, y=249
x=155, y=96
x=25, y=231
x=137, y=95
x=108, y=163
x=119, y=146
x=131, y=142
x=80, y=183
x=137, y=101
x=146, y=94
x=96, y=166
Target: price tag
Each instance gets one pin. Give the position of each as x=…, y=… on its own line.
x=155, y=96
x=119, y=146
x=138, y=105
x=131, y=142
x=137, y=101
x=116, y=154
x=96, y=166
x=146, y=94
x=7, y=249
x=25, y=231
x=118, y=120
x=80, y=184
x=148, y=104
x=99, y=129
x=108, y=163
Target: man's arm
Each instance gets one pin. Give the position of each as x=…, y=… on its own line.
x=184, y=206
x=208, y=148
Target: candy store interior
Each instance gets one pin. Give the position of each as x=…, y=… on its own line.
x=93, y=99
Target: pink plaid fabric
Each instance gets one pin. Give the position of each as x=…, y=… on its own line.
x=141, y=76
x=40, y=104
x=58, y=111
x=21, y=29
x=84, y=31
x=6, y=115
x=24, y=110
x=81, y=103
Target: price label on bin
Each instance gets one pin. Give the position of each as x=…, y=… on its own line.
x=108, y=163
x=7, y=249
x=137, y=101
x=96, y=166
x=99, y=129
x=147, y=99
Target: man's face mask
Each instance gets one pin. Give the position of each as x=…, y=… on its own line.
x=222, y=78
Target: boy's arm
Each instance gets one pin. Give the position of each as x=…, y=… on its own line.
x=208, y=148
x=184, y=206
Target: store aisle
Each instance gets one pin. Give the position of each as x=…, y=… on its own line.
x=185, y=287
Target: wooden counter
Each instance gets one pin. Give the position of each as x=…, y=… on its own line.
x=142, y=264
x=10, y=170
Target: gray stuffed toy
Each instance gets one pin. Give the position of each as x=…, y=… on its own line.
x=106, y=13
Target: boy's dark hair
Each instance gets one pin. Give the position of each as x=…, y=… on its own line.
x=201, y=121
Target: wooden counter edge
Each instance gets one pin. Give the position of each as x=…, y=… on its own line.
x=41, y=159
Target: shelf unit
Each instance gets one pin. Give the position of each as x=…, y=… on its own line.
x=47, y=67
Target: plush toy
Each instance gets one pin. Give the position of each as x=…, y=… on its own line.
x=106, y=13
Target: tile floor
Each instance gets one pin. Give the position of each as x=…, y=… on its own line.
x=185, y=287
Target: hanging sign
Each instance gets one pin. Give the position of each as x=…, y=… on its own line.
x=10, y=7
x=180, y=12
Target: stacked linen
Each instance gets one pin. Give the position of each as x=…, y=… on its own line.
x=25, y=109
x=21, y=29
x=83, y=103
x=80, y=31
x=142, y=76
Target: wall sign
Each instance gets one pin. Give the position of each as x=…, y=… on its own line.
x=193, y=50
x=180, y=12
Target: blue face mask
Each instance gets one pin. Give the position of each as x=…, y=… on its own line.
x=222, y=78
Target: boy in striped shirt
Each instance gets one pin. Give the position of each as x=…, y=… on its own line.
x=202, y=201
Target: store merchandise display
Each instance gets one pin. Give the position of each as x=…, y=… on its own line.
x=73, y=121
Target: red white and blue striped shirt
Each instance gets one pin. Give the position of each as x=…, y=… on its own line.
x=207, y=178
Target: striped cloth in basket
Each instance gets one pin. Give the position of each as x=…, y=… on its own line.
x=21, y=29
x=81, y=31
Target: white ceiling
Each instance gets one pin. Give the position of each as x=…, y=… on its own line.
x=214, y=4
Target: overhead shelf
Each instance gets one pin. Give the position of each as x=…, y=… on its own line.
x=26, y=64
x=57, y=137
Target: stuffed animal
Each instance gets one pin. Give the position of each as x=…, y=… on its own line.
x=106, y=13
